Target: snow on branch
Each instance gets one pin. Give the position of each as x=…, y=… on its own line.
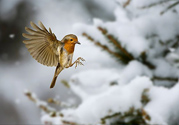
x=155, y=4
x=162, y=2
x=132, y=116
x=41, y=104
x=169, y=7
x=126, y=3
x=104, y=47
x=116, y=43
x=121, y=52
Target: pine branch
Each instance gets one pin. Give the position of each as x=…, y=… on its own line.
x=123, y=55
x=116, y=43
x=104, y=47
x=138, y=116
x=134, y=116
x=126, y=3
x=172, y=43
x=143, y=59
x=49, y=111
x=161, y=2
x=42, y=107
x=70, y=123
x=165, y=79
x=176, y=43
x=145, y=98
x=170, y=7
x=65, y=83
x=155, y=4
x=61, y=104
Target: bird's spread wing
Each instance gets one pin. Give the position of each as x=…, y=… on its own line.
x=42, y=44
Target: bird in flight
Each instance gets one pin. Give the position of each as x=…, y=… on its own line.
x=47, y=50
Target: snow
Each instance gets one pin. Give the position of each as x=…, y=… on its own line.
x=84, y=86
x=130, y=31
x=165, y=69
x=104, y=86
x=17, y=101
x=115, y=99
x=27, y=73
x=172, y=49
x=132, y=70
x=11, y=36
x=163, y=103
x=49, y=120
x=120, y=98
x=139, y=30
x=134, y=42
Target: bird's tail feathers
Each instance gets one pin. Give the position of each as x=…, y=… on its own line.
x=57, y=72
x=53, y=81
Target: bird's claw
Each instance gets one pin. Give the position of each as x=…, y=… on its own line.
x=77, y=62
x=80, y=58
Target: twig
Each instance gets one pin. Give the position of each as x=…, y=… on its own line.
x=116, y=43
x=140, y=117
x=176, y=43
x=50, y=100
x=124, y=51
x=155, y=4
x=33, y=99
x=104, y=47
x=65, y=83
x=118, y=55
x=69, y=123
x=143, y=58
x=169, y=7
x=126, y=3
x=165, y=79
x=61, y=104
x=103, y=120
x=145, y=115
x=145, y=98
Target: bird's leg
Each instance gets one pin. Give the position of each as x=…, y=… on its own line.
x=77, y=62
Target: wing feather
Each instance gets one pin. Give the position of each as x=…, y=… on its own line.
x=44, y=55
x=42, y=44
x=42, y=26
x=33, y=31
x=29, y=36
x=40, y=51
x=47, y=58
x=36, y=27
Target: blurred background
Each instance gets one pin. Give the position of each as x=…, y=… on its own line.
x=18, y=70
x=148, y=32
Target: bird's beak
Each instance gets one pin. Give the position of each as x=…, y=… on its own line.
x=78, y=42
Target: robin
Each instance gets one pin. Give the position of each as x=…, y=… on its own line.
x=47, y=50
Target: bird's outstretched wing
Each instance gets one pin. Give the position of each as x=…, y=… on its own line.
x=42, y=44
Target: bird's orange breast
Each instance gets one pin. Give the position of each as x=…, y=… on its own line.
x=69, y=48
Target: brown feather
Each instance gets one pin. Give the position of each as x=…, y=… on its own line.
x=34, y=32
x=57, y=72
x=53, y=82
x=42, y=44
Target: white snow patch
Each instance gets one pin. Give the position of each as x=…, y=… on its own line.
x=11, y=36
x=116, y=99
x=163, y=103
x=84, y=85
x=132, y=70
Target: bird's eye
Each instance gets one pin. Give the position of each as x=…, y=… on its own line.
x=71, y=39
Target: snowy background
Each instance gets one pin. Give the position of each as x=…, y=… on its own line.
x=104, y=86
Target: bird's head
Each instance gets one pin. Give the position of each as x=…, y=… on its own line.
x=69, y=42
x=70, y=39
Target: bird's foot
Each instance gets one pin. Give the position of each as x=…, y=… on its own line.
x=78, y=61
